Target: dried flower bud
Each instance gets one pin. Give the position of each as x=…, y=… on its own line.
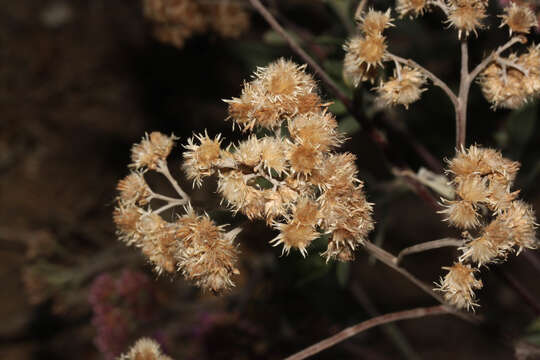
x=492, y=244
x=279, y=91
x=404, y=88
x=318, y=129
x=144, y=349
x=518, y=18
x=413, y=8
x=152, y=150
x=133, y=189
x=503, y=88
x=228, y=18
x=462, y=214
x=472, y=188
x=126, y=217
x=208, y=254
x=294, y=235
x=361, y=51
x=374, y=22
x=273, y=155
x=467, y=15
x=304, y=158
x=199, y=160
x=458, y=286
x=520, y=220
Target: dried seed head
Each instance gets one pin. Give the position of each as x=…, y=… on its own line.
x=279, y=91
x=467, y=15
x=338, y=250
x=126, y=217
x=518, y=18
x=144, y=349
x=133, y=189
x=404, y=88
x=318, y=129
x=304, y=158
x=472, y=188
x=228, y=18
x=367, y=50
x=354, y=74
x=374, y=22
x=520, y=220
x=294, y=235
x=461, y=214
x=413, y=8
x=208, y=254
x=306, y=212
x=504, y=88
x=200, y=159
x=458, y=286
x=152, y=150
x=273, y=155
x=492, y=244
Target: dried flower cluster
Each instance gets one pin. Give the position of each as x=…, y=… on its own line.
x=291, y=178
x=513, y=81
x=144, y=349
x=495, y=222
x=365, y=55
x=176, y=20
x=192, y=244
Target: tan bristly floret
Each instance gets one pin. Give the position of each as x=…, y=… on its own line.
x=466, y=16
x=144, y=349
x=413, y=8
x=151, y=151
x=458, y=286
x=404, y=88
x=375, y=22
x=518, y=18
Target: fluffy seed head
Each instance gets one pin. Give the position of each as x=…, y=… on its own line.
x=374, y=22
x=144, y=349
x=228, y=18
x=152, y=150
x=466, y=16
x=461, y=214
x=318, y=129
x=133, y=189
x=518, y=18
x=404, y=88
x=304, y=158
x=504, y=88
x=458, y=286
x=126, y=217
x=294, y=235
x=413, y=8
x=200, y=159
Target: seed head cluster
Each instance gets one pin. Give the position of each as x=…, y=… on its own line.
x=174, y=21
x=496, y=223
x=192, y=244
x=364, y=53
x=514, y=82
x=292, y=178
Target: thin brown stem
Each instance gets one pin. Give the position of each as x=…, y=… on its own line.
x=298, y=50
x=463, y=96
x=495, y=54
x=365, y=325
x=429, y=245
x=163, y=169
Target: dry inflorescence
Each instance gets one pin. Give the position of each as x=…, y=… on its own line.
x=494, y=221
x=364, y=58
x=292, y=178
x=174, y=21
x=144, y=349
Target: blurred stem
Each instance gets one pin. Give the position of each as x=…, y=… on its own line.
x=428, y=245
x=463, y=96
x=391, y=261
x=391, y=330
x=365, y=325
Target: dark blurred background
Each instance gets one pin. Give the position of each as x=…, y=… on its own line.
x=81, y=81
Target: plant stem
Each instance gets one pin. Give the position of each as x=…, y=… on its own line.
x=429, y=245
x=163, y=169
x=463, y=96
x=358, y=328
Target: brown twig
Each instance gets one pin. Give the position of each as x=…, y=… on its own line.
x=358, y=328
x=428, y=245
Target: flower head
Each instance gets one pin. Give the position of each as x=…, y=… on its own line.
x=458, y=286
x=404, y=88
x=518, y=18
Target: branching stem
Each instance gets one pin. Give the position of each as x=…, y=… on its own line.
x=365, y=325
x=429, y=245
x=163, y=169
